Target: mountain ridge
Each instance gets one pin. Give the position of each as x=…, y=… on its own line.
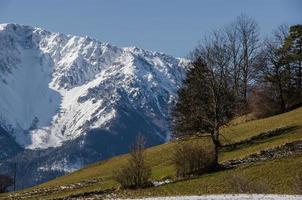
x=76, y=63
x=76, y=100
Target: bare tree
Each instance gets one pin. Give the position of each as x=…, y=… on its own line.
x=233, y=47
x=248, y=31
x=236, y=48
x=136, y=173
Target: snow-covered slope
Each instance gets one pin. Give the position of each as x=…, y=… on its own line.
x=57, y=87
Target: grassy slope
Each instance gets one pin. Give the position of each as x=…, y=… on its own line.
x=159, y=159
x=280, y=180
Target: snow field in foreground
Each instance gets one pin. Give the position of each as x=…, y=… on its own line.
x=231, y=197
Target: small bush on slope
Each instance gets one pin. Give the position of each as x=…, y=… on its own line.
x=298, y=182
x=136, y=173
x=192, y=159
x=5, y=183
x=241, y=184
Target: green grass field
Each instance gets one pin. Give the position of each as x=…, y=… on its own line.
x=278, y=174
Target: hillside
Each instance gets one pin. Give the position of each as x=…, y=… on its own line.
x=272, y=145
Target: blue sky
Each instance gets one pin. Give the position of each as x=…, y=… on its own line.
x=170, y=26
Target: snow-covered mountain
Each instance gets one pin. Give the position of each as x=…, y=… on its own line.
x=68, y=92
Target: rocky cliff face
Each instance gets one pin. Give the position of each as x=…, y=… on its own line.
x=67, y=101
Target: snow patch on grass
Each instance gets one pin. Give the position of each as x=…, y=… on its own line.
x=230, y=197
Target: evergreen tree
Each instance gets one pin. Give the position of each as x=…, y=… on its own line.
x=293, y=48
x=281, y=73
x=275, y=74
x=206, y=102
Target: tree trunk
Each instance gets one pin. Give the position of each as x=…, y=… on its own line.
x=216, y=151
x=245, y=80
x=300, y=76
x=283, y=109
x=216, y=142
x=245, y=72
x=300, y=81
x=280, y=87
x=245, y=91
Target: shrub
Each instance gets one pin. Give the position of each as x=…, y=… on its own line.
x=136, y=173
x=241, y=184
x=5, y=183
x=298, y=183
x=191, y=158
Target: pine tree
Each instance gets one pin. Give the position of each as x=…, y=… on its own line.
x=206, y=102
x=293, y=46
x=281, y=74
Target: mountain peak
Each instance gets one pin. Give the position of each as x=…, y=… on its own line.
x=58, y=87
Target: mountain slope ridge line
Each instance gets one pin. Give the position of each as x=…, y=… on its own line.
x=76, y=100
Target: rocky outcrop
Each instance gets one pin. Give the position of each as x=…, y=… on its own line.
x=289, y=149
